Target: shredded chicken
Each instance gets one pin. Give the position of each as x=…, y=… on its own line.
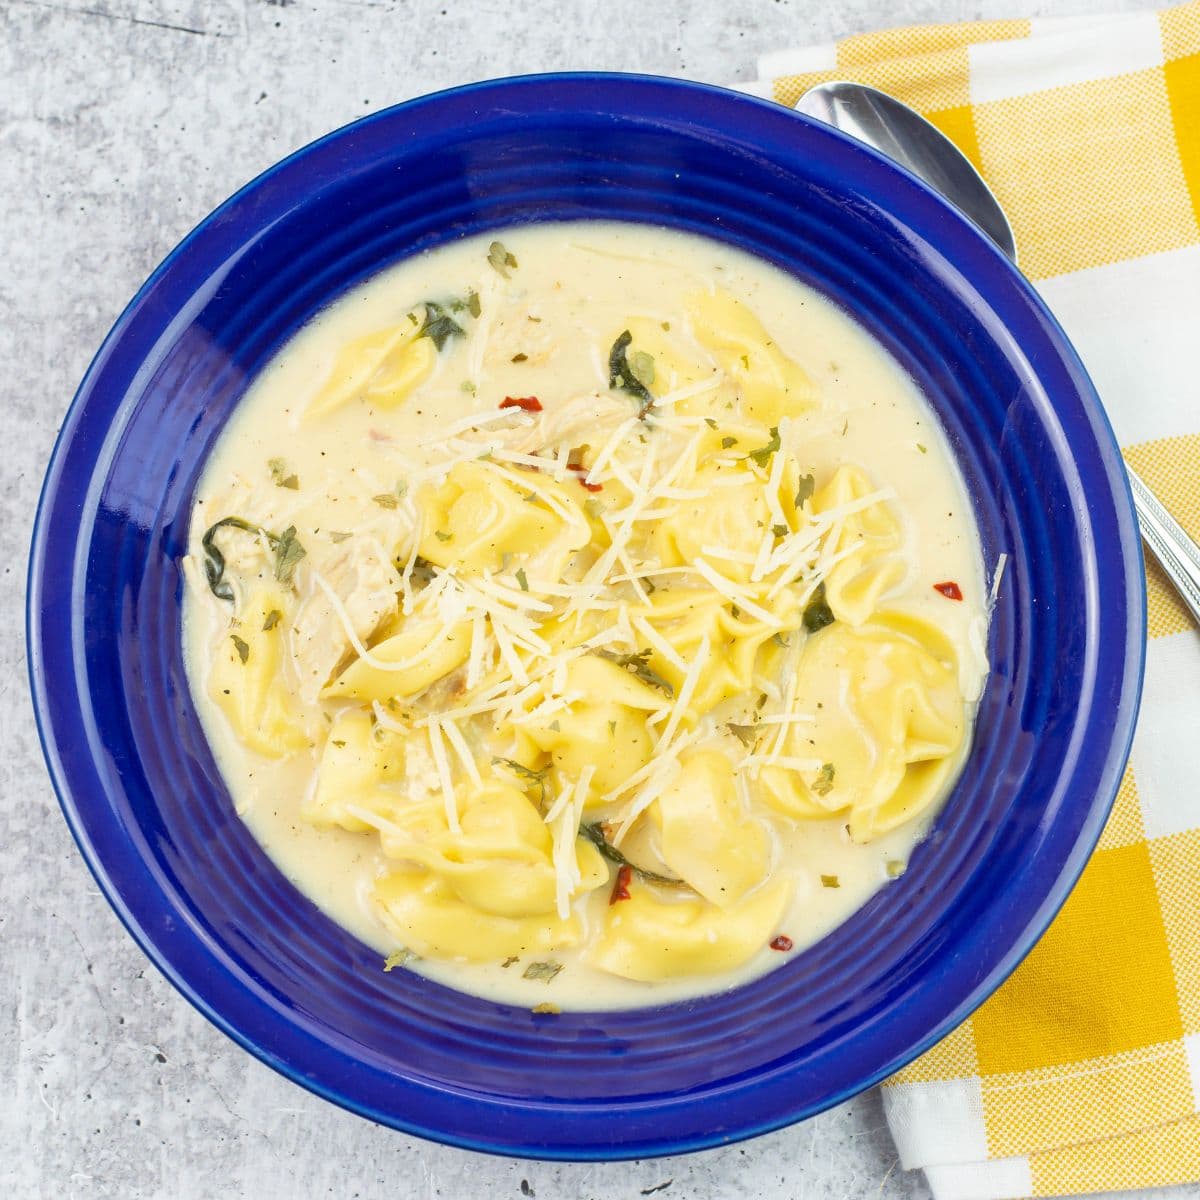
x=588, y=418
x=366, y=582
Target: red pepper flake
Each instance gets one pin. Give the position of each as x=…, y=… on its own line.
x=782, y=942
x=574, y=465
x=524, y=403
x=949, y=589
x=621, y=887
x=581, y=474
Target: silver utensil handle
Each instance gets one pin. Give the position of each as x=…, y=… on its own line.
x=1177, y=554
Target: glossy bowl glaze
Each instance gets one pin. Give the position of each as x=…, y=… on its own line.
x=154, y=820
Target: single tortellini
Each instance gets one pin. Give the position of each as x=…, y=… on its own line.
x=772, y=386
x=568, y=499
x=605, y=728
x=870, y=539
x=502, y=861
x=422, y=652
x=888, y=725
x=731, y=515
x=428, y=916
x=654, y=936
x=684, y=617
x=727, y=524
x=365, y=583
x=247, y=681
x=381, y=368
x=706, y=836
x=357, y=763
x=478, y=516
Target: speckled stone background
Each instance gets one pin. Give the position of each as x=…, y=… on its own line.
x=122, y=122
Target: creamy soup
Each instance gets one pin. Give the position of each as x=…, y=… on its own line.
x=586, y=616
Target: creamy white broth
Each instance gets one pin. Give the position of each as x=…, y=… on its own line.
x=580, y=282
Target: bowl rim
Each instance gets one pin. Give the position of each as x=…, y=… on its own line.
x=1057, y=893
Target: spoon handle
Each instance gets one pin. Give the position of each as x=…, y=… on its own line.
x=1177, y=554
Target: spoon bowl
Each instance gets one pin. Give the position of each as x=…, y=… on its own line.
x=906, y=137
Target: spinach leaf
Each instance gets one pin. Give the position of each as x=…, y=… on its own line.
x=595, y=834
x=817, y=613
x=287, y=548
x=621, y=375
x=439, y=326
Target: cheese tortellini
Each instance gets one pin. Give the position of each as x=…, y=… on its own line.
x=422, y=652
x=357, y=762
x=656, y=936
x=772, y=385
x=582, y=631
x=500, y=859
x=430, y=918
x=888, y=724
x=687, y=618
x=708, y=839
x=478, y=517
x=381, y=369
x=604, y=728
x=866, y=545
x=247, y=680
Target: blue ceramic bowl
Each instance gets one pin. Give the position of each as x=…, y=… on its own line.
x=154, y=820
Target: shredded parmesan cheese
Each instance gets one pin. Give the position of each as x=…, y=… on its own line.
x=477, y=421
x=686, y=691
x=997, y=576
x=437, y=747
x=455, y=738
x=735, y=593
x=565, y=816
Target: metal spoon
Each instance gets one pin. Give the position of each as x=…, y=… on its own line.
x=894, y=129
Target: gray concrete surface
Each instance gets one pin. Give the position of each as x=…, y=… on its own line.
x=122, y=122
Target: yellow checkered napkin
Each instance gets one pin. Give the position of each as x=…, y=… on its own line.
x=1082, y=1073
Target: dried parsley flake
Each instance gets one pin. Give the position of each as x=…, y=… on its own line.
x=288, y=553
x=762, y=455
x=817, y=613
x=500, y=259
x=281, y=476
x=545, y=971
x=639, y=665
x=823, y=784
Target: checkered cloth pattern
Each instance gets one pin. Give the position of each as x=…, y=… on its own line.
x=1082, y=1073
